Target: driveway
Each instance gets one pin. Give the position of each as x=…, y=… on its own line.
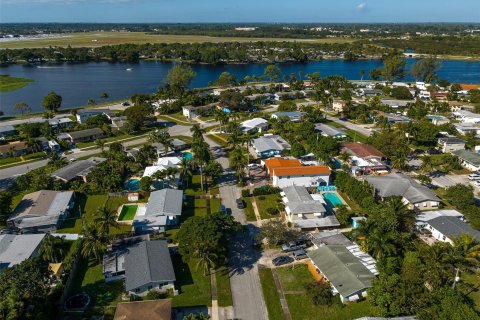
x=248, y=302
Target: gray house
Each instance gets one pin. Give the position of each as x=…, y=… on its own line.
x=77, y=170
x=293, y=116
x=329, y=131
x=148, y=266
x=269, y=145
x=163, y=209
x=7, y=131
x=82, y=135
x=451, y=143
x=15, y=248
x=42, y=211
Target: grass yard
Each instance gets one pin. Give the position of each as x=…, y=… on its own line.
x=194, y=187
x=89, y=279
x=249, y=213
x=302, y=307
x=98, y=39
x=193, y=207
x=193, y=286
x=357, y=137
x=224, y=292
x=18, y=160
x=470, y=284
x=218, y=139
x=214, y=205
x=269, y=201
x=88, y=206
x=272, y=300
x=8, y=83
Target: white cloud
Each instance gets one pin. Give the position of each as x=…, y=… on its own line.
x=362, y=6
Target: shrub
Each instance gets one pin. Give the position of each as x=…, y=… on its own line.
x=272, y=211
x=320, y=293
x=245, y=193
x=265, y=190
x=261, y=198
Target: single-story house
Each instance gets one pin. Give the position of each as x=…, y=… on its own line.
x=114, y=260
x=7, y=131
x=305, y=212
x=84, y=114
x=369, y=92
x=254, y=125
x=148, y=266
x=60, y=122
x=339, y=105
x=82, y=135
x=293, y=116
x=118, y=123
x=163, y=209
x=396, y=103
x=269, y=146
x=273, y=163
x=14, y=149
x=464, y=128
x=363, y=151
x=42, y=211
x=284, y=95
x=466, y=116
x=306, y=176
x=329, y=237
x=349, y=270
x=145, y=310
x=16, y=248
x=449, y=144
x=413, y=194
x=468, y=159
x=329, y=131
x=78, y=169
x=445, y=225
x=192, y=111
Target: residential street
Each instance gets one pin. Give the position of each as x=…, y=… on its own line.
x=248, y=302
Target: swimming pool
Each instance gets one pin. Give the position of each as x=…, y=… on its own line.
x=132, y=184
x=187, y=155
x=432, y=117
x=128, y=212
x=332, y=200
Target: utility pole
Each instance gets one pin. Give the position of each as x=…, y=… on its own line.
x=457, y=278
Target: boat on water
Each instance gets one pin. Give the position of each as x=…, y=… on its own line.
x=129, y=69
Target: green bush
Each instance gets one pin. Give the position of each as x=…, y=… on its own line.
x=272, y=211
x=245, y=193
x=265, y=190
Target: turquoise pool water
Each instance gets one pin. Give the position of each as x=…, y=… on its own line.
x=132, y=185
x=187, y=155
x=332, y=200
x=431, y=117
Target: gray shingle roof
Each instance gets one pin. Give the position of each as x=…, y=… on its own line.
x=453, y=227
x=397, y=184
x=165, y=202
x=270, y=142
x=450, y=140
x=16, y=248
x=85, y=133
x=146, y=262
x=344, y=270
x=301, y=202
x=468, y=156
x=79, y=168
x=329, y=238
x=328, y=130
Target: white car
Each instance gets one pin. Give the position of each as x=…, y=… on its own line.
x=477, y=183
x=473, y=177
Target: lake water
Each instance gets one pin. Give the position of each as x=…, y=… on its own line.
x=77, y=83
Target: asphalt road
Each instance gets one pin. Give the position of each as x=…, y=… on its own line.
x=352, y=126
x=248, y=301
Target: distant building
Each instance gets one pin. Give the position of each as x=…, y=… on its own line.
x=193, y=112
x=14, y=149
x=269, y=146
x=163, y=209
x=363, y=151
x=7, y=131
x=467, y=116
x=349, y=271
x=84, y=114
x=468, y=159
x=42, y=211
x=148, y=267
x=413, y=194
x=78, y=169
x=339, y=105
x=16, y=248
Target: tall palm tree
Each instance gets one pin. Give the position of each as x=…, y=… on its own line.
x=344, y=157
x=51, y=249
x=466, y=250
x=105, y=218
x=399, y=161
x=185, y=170
x=238, y=161
x=94, y=242
x=197, y=132
x=56, y=159
x=162, y=137
x=22, y=107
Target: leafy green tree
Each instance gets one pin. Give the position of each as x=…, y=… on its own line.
x=21, y=106
x=213, y=170
x=425, y=70
x=137, y=115
x=105, y=218
x=320, y=293
x=276, y=232
x=344, y=215
x=375, y=74
x=162, y=137
x=104, y=95
x=51, y=249
x=5, y=205
x=94, y=242
x=401, y=93
x=145, y=184
x=297, y=150
x=178, y=79
x=461, y=196
x=52, y=102
x=226, y=79
x=232, y=99
x=393, y=67
x=238, y=161
x=272, y=72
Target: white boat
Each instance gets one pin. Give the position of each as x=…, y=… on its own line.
x=129, y=69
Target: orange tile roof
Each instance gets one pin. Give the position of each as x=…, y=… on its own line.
x=273, y=163
x=301, y=171
x=469, y=86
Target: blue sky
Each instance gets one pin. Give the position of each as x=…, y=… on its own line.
x=239, y=11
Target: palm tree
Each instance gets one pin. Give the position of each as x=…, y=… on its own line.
x=51, y=249
x=197, y=132
x=344, y=157
x=362, y=73
x=91, y=102
x=466, y=250
x=100, y=143
x=399, y=162
x=238, y=161
x=56, y=159
x=162, y=137
x=427, y=164
x=185, y=170
x=104, y=219
x=22, y=107
x=94, y=242
x=32, y=143
x=104, y=95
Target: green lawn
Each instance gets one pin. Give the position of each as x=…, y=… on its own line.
x=214, y=205
x=270, y=201
x=302, y=307
x=218, y=139
x=88, y=206
x=193, y=286
x=357, y=137
x=128, y=213
x=124, y=137
x=272, y=300
x=194, y=186
x=224, y=292
x=8, y=83
x=17, y=160
x=470, y=284
x=249, y=213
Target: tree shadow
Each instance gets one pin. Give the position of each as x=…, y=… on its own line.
x=76, y=212
x=242, y=253
x=183, y=275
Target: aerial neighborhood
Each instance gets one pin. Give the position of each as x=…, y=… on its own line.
x=295, y=199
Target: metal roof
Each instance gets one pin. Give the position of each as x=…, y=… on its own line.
x=16, y=248
x=270, y=142
x=6, y=128
x=468, y=156
x=85, y=133
x=452, y=226
x=165, y=202
x=329, y=130
x=301, y=202
x=320, y=222
x=343, y=268
x=146, y=262
x=329, y=238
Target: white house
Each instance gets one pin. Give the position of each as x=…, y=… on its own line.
x=254, y=125
x=466, y=116
x=445, y=225
x=451, y=143
x=339, y=105
x=468, y=159
x=293, y=116
x=306, y=176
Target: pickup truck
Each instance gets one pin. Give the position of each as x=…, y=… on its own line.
x=293, y=246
